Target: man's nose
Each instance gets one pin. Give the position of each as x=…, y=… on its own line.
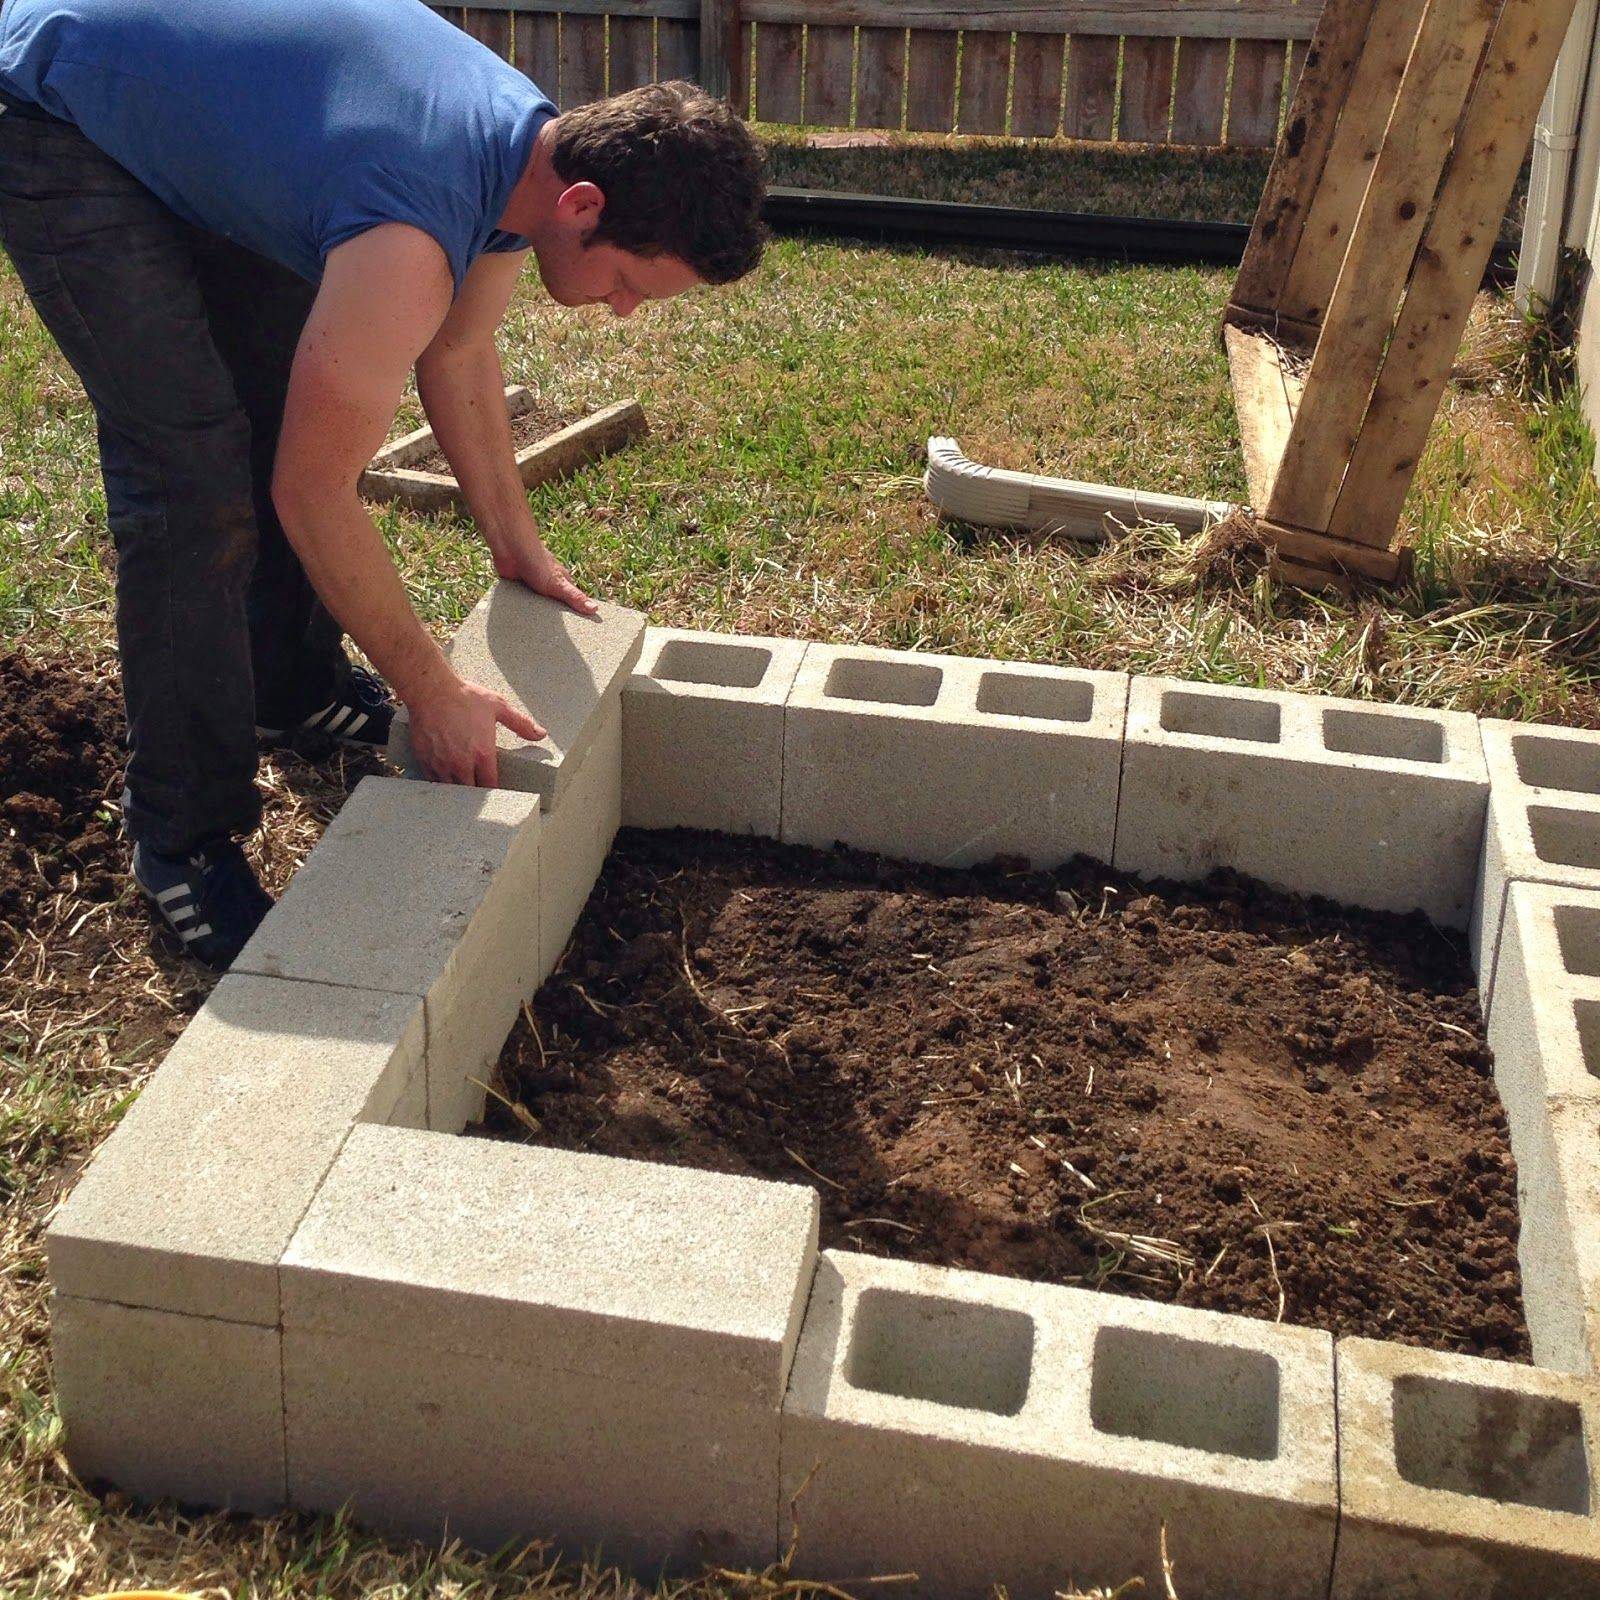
x=624, y=305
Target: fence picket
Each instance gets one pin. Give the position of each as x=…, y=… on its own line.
x=583, y=60
x=1257, y=93
x=931, y=82
x=985, y=74
x=677, y=49
x=633, y=53
x=536, y=43
x=491, y=28
x=1091, y=86
x=829, y=56
x=1036, y=85
x=778, y=47
x=1146, y=90
x=1200, y=94
x=880, y=77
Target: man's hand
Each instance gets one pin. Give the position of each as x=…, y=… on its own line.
x=530, y=562
x=453, y=732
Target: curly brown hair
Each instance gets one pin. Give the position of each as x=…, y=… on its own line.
x=681, y=174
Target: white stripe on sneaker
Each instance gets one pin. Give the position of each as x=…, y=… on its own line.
x=337, y=721
x=357, y=723
x=189, y=935
x=166, y=896
x=315, y=719
x=182, y=914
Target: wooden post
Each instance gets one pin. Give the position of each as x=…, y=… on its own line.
x=721, y=70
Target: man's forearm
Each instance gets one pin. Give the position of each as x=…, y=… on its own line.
x=463, y=393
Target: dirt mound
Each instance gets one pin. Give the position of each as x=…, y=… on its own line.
x=1218, y=1096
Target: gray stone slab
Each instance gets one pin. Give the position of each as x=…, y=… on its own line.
x=159, y=1404
x=1376, y=806
x=951, y=760
x=557, y=666
x=633, y=1271
x=191, y=1201
x=703, y=731
x=982, y=1431
x=1461, y=1477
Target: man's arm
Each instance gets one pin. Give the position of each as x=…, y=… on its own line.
x=462, y=389
x=383, y=296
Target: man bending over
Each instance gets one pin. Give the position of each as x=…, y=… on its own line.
x=246, y=222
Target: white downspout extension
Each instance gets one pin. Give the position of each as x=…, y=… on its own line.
x=1550, y=183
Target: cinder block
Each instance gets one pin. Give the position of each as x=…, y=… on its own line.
x=192, y=1200
x=983, y=1431
x=562, y=669
x=1377, y=806
x=702, y=732
x=525, y=1341
x=951, y=760
x=422, y=889
x=166, y=1405
x=576, y=838
x=1462, y=1477
x=1543, y=823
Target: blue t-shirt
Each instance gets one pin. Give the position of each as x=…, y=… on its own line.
x=288, y=125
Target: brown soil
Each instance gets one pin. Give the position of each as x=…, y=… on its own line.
x=1218, y=1096
x=532, y=426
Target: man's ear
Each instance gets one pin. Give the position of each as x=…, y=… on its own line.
x=579, y=205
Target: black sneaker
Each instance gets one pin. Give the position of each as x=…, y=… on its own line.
x=210, y=898
x=359, y=714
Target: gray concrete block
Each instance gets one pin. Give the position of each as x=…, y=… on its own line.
x=562, y=669
x=165, y=1405
x=577, y=837
x=1462, y=1477
x=191, y=1201
x=692, y=1282
x=1543, y=823
x=951, y=760
x=497, y=1446
x=422, y=889
x=983, y=1431
x=702, y=732
x=1377, y=806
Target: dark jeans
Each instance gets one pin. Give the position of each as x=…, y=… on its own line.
x=183, y=341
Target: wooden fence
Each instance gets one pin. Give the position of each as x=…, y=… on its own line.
x=1185, y=72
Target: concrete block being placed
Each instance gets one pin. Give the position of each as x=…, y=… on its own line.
x=702, y=732
x=576, y=838
x=983, y=1431
x=562, y=669
x=166, y=1405
x=191, y=1201
x=470, y=1326
x=421, y=889
x=1376, y=806
x=1462, y=1477
x=1543, y=824
x=949, y=760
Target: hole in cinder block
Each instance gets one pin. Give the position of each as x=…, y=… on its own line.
x=1578, y=935
x=900, y=683
x=1220, y=716
x=1186, y=1392
x=1364, y=733
x=1587, y=1015
x=733, y=666
x=952, y=1352
x=1546, y=763
x=1492, y=1443
x=1019, y=694
x=1565, y=838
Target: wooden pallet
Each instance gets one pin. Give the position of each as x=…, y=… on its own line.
x=1394, y=169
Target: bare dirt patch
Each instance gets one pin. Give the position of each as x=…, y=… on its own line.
x=529, y=428
x=1218, y=1095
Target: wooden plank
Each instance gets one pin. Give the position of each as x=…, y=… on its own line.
x=1266, y=394
x=681, y=9
x=1257, y=97
x=449, y=13
x=536, y=47
x=880, y=77
x=1449, y=267
x=830, y=55
x=1201, y=94
x=1361, y=312
x=985, y=74
x=491, y=29
x=719, y=49
x=1091, y=87
x=677, y=50
x=779, y=47
x=931, y=82
x=1301, y=155
x=633, y=54
x=583, y=61
x=1297, y=62
x=747, y=64
x=1215, y=19
x=1146, y=90
x=1036, y=85
x=1356, y=142
x=1315, y=561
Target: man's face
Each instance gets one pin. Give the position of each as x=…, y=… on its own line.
x=577, y=273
